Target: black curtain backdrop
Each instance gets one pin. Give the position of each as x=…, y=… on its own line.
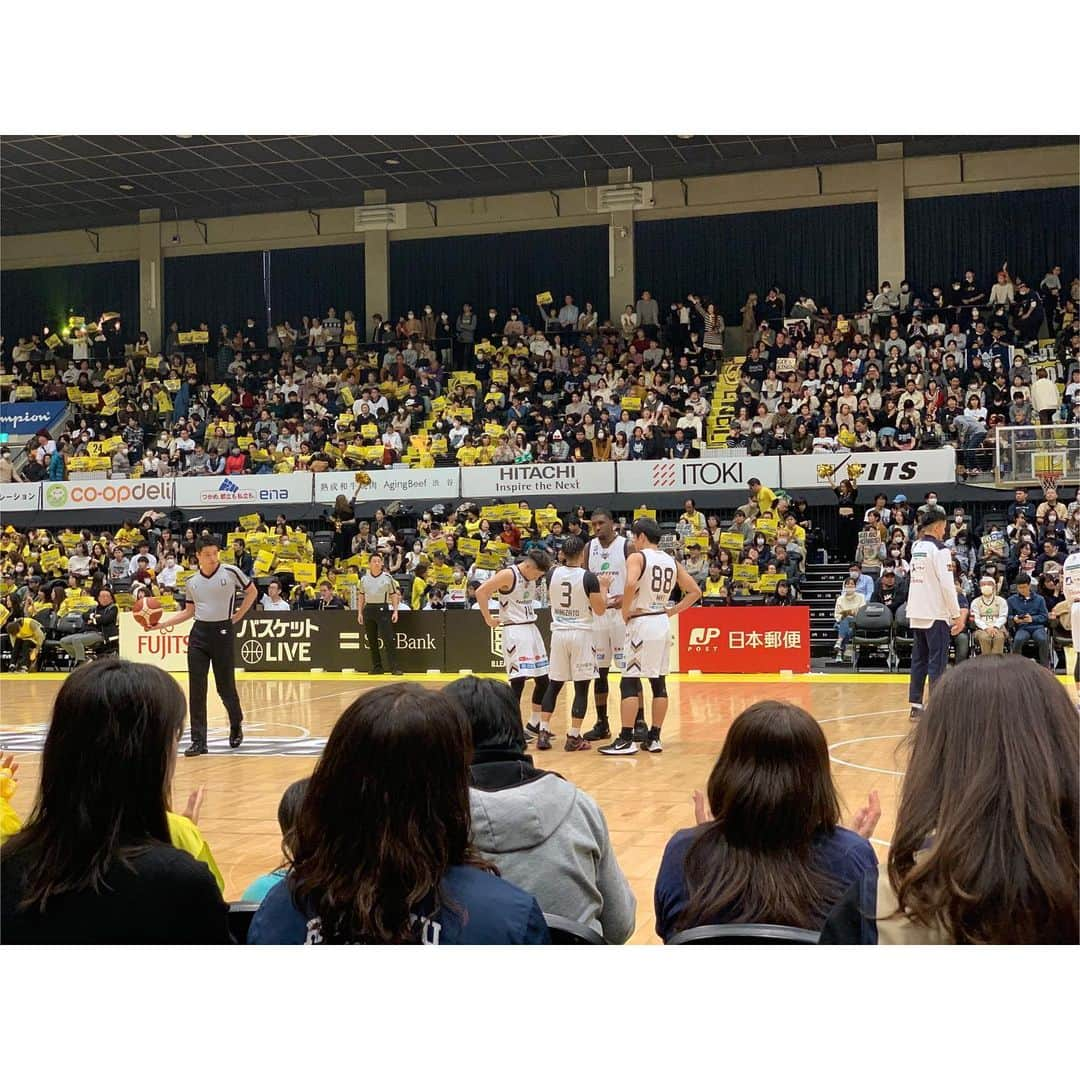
x=828, y=252
x=307, y=281
x=214, y=289
x=503, y=269
x=46, y=296
x=1033, y=230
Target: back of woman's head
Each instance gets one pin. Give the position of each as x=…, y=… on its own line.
x=107, y=762
x=492, y=711
x=385, y=816
x=770, y=794
x=986, y=838
x=292, y=798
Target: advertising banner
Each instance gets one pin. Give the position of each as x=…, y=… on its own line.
x=548, y=480
x=697, y=475
x=386, y=484
x=733, y=640
x=296, y=641
x=276, y=489
x=16, y=498
x=23, y=418
x=886, y=467
x=107, y=494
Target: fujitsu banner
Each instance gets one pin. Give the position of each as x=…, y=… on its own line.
x=886, y=467
x=69, y=495
x=384, y=484
x=275, y=489
x=523, y=481
x=697, y=474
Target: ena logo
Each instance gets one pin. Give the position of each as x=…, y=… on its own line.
x=701, y=636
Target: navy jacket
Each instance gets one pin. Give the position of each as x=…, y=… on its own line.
x=843, y=855
x=1034, y=605
x=479, y=909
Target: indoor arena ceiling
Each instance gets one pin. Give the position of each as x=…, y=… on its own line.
x=50, y=182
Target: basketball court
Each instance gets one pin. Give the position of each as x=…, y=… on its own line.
x=645, y=797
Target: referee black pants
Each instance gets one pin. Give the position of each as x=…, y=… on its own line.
x=211, y=643
x=929, y=657
x=376, y=622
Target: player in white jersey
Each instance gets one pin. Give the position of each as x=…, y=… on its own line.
x=577, y=597
x=1071, y=585
x=607, y=553
x=651, y=576
x=524, y=655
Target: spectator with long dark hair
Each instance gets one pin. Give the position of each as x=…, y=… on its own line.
x=986, y=840
x=381, y=848
x=94, y=863
x=769, y=847
x=543, y=833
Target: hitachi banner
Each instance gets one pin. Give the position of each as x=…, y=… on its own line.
x=697, y=474
x=886, y=467
x=551, y=479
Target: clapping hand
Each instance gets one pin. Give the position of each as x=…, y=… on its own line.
x=194, y=804
x=865, y=820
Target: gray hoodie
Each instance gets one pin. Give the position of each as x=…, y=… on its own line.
x=549, y=838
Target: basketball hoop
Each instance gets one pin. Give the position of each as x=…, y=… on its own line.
x=1049, y=480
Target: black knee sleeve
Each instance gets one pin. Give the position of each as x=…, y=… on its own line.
x=602, y=681
x=551, y=695
x=659, y=686
x=540, y=685
x=581, y=699
x=629, y=688
x=518, y=686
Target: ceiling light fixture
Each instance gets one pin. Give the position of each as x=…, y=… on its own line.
x=393, y=161
x=684, y=136
x=127, y=187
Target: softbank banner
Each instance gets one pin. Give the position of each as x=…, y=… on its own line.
x=385, y=484
x=524, y=481
x=275, y=489
x=698, y=475
x=891, y=467
x=106, y=494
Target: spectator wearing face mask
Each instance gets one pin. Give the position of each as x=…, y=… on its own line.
x=864, y=583
x=848, y=604
x=989, y=614
x=1028, y=618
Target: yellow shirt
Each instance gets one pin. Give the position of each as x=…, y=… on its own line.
x=419, y=585
x=185, y=835
x=765, y=498
x=713, y=588
x=467, y=455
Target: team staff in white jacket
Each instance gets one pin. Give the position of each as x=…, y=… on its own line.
x=932, y=608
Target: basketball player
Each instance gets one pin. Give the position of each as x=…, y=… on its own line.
x=524, y=655
x=1071, y=585
x=607, y=553
x=577, y=596
x=932, y=608
x=210, y=597
x=651, y=576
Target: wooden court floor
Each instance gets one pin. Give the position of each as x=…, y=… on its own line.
x=645, y=798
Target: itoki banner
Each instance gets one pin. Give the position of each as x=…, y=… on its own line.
x=744, y=639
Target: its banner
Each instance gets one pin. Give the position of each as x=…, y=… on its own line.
x=920, y=467
x=698, y=474
x=733, y=640
x=377, y=484
x=25, y=417
x=275, y=490
x=543, y=480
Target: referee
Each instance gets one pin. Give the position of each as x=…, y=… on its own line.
x=932, y=608
x=210, y=597
x=379, y=594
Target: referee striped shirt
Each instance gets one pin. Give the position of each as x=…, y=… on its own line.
x=214, y=597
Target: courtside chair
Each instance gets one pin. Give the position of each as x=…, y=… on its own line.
x=745, y=934
x=567, y=932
